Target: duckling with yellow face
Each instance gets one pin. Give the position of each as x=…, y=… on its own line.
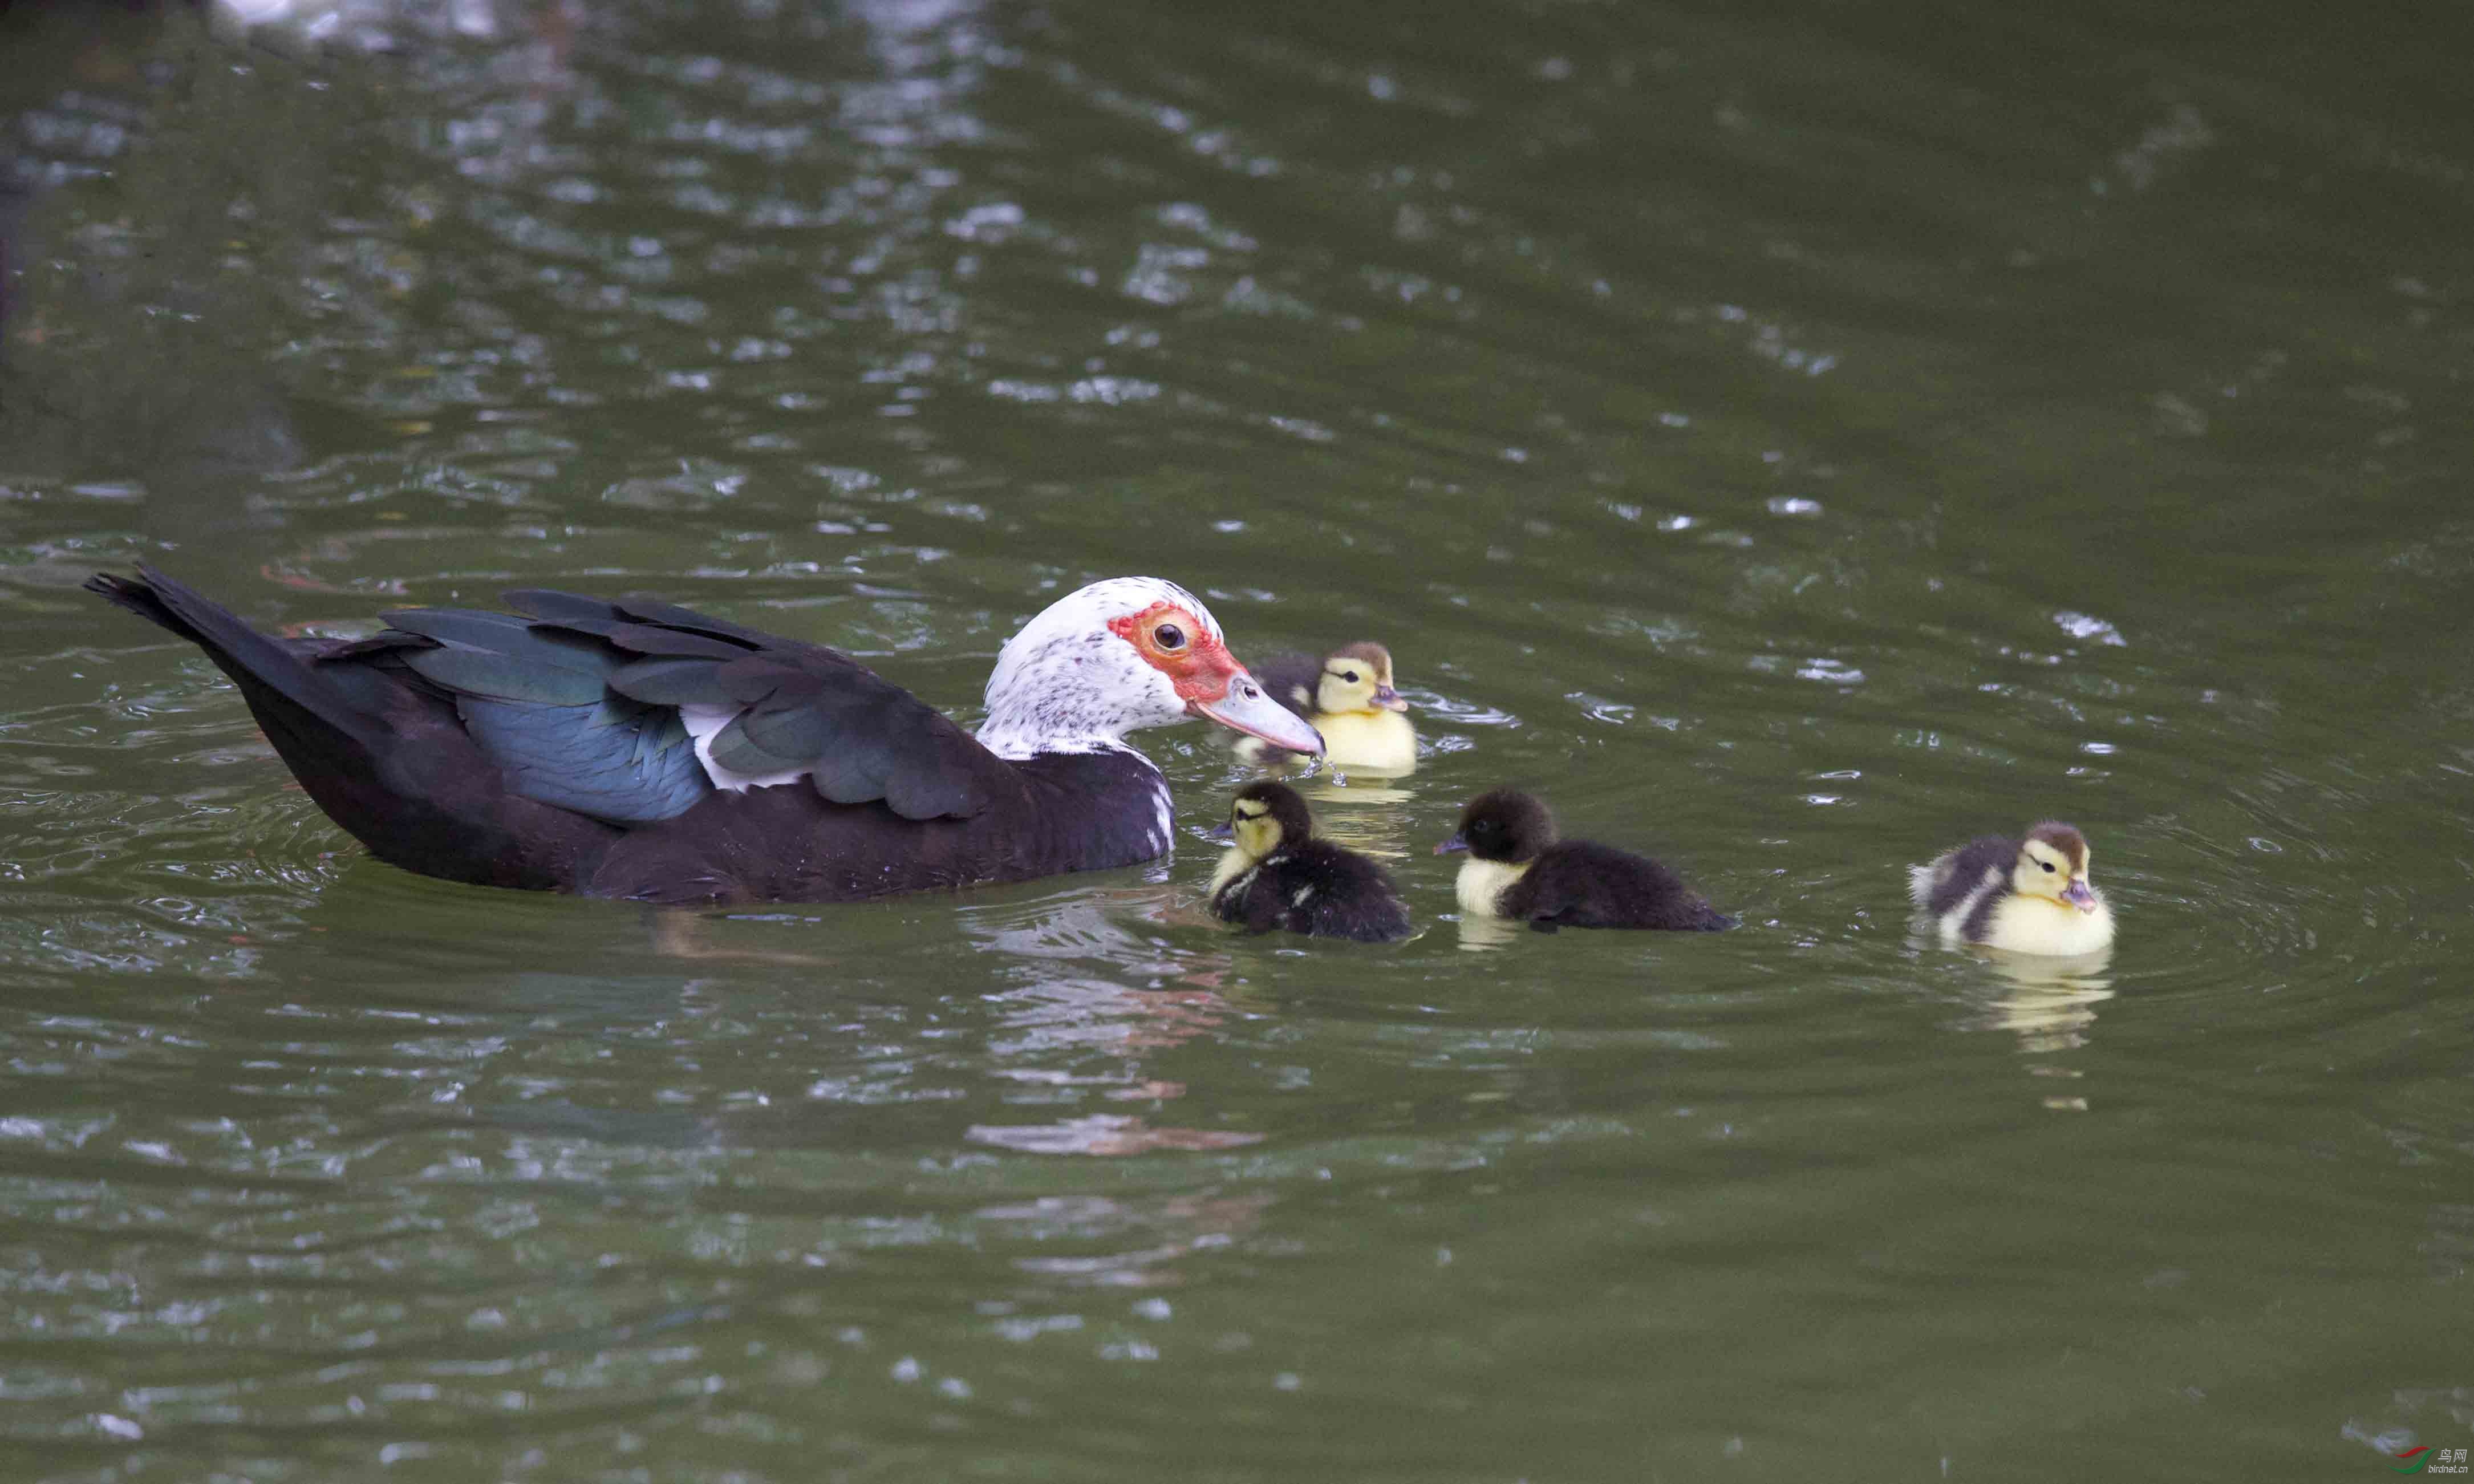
x=1348, y=696
x=1276, y=875
x=2026, y=895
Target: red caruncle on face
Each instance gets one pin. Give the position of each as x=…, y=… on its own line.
x=1175, y=642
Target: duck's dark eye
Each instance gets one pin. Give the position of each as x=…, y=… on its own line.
x=1348, y=675
x=2047, y=865
x=1167, y=636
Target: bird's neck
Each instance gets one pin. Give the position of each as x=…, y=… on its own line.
x=1097, y=808
x=1234, y=862
x=1021, y=732
x=1077, y=692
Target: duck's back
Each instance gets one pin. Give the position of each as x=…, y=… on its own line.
x=1291, y=679
x=1958, y=888
x=1580, y=884
x=1320, y=889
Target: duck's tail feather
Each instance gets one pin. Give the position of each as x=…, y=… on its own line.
x=1920, y=880
x=257, y=663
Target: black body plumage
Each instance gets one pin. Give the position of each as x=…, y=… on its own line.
x=550, y=751
x=1292, y=679
x=1551, y=882
x=1320, y=889
x=1982, y=862
x=1302, y=883
x=1580, y=884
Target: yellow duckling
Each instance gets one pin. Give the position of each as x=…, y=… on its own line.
x=1348, y=696
x=2030, y=895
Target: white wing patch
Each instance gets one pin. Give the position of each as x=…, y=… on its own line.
x=703, y=723
x=1952, y=924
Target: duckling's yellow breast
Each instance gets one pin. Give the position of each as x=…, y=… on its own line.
x=1481, y=884
x=2040, y=925
x=1233, y=864
x=1381, y=742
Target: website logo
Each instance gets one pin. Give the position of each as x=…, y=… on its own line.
x=2428, y=1459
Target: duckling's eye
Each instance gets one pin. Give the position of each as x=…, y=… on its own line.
x=2047, y=865
x=1167, y=636
x=1348, y=675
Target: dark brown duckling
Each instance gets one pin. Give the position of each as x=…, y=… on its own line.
x=1519, y=868
x=1278, y=875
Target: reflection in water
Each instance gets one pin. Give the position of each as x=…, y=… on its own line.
x=2050, y=1003
x=1170, y=1228
x=1077, y=1012
x=2035, y=980
x=1103, y=1133
x=1482, y=934
x=1368, y=818
x=373, y=25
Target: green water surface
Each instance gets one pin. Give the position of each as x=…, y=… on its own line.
x=1792, y=438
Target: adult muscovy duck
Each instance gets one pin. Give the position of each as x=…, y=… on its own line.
x=634, y=749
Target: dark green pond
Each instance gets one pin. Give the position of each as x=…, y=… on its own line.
x=1792, y=438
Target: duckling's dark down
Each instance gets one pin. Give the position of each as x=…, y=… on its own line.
x=1520, y=869
x=1278, y=876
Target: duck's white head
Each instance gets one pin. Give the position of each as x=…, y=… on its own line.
x=2053, y=863
x=1118, y=656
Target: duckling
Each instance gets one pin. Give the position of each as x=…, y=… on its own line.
x=1519, y=868
x=1279, y=875
x=2030, y=895
x=1348, y=696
